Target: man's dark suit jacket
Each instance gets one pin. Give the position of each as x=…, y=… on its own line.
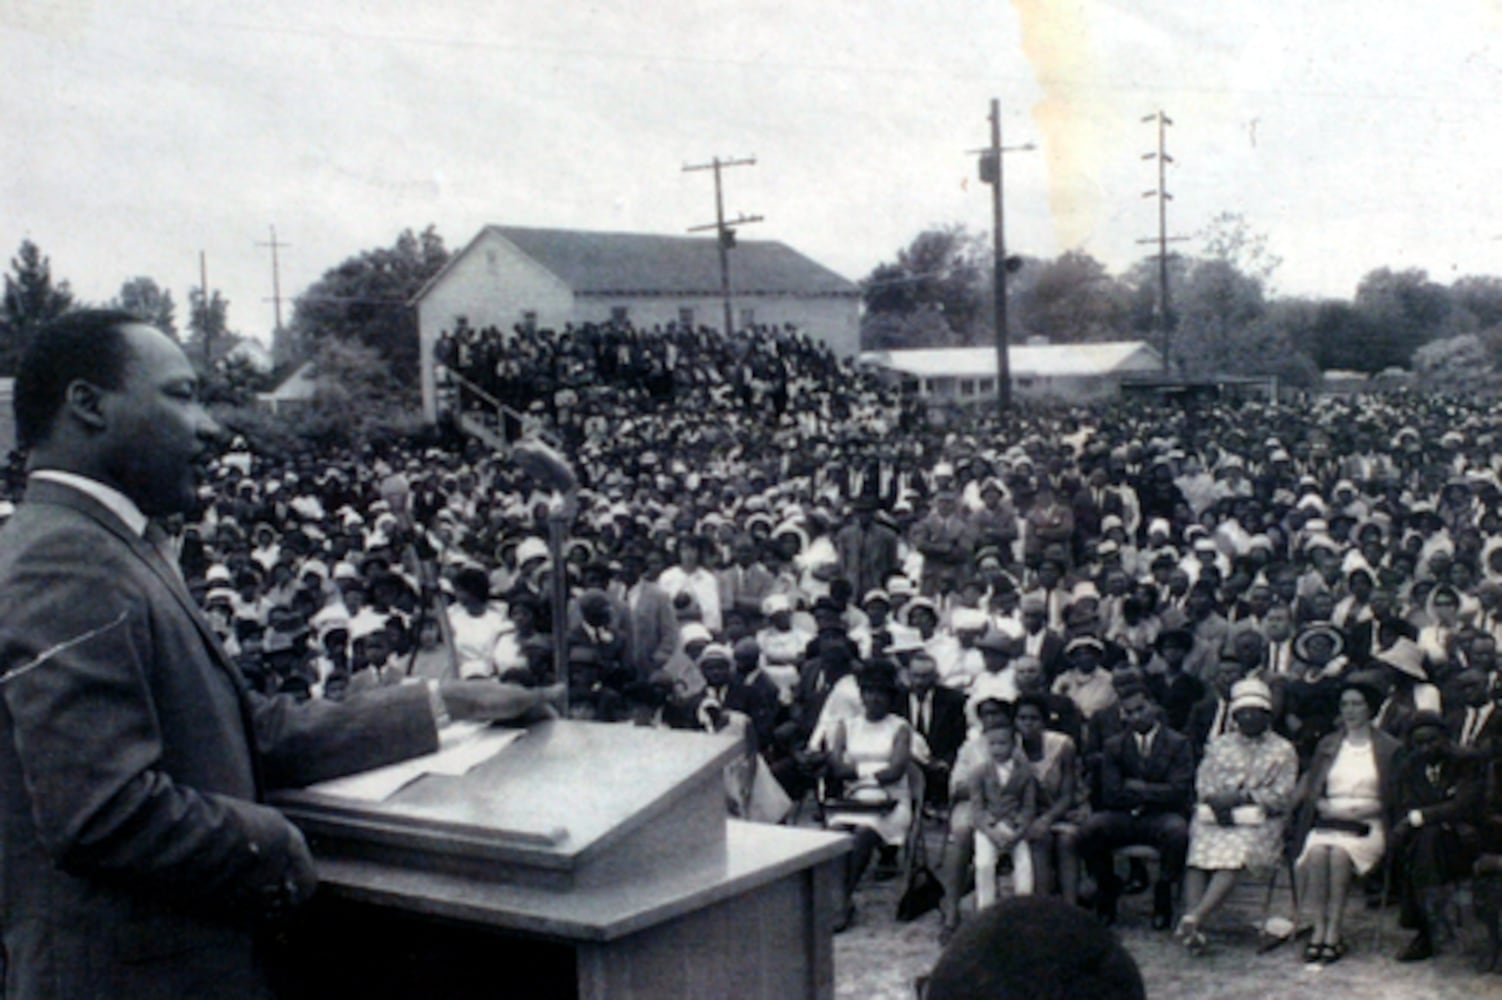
x=1453, y=799
x=1488, y=741
x=1201, y=721
x=758, y=701
x=1050, y=654
x=946, y=726
x=1168, y=769
x=135, y=850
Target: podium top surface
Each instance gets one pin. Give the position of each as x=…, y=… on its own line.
x=562, y=789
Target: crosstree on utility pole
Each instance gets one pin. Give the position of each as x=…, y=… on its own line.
x=991, y=173
x=1165, y=317
x=276, y=281
x=724, y=231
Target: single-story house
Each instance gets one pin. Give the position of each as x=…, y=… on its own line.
x=1074, y=372
x=510, y=275
x=295, y=392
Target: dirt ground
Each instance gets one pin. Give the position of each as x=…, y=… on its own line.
x=879, y=958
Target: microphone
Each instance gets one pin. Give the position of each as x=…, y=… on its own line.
x=544, y=464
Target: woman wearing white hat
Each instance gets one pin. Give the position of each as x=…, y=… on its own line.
x=1245, y=786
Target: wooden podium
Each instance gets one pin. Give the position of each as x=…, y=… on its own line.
x=580, y=860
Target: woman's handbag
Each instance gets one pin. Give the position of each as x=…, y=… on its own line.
x=924, y=890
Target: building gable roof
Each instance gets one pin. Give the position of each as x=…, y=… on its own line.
x=300, y=385
x=602, y=263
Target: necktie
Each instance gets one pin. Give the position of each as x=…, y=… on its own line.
x=1472, y=720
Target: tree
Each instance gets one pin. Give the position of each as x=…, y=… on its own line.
x=356, y=393
x=143, y=297
x=31, y=301
x=942, y=270
x=1455, y=364
x=894, y=332
x=1401, y=310
x=1230, y=238
x=1142, y=285
x=1073, y=298
x=209, y=335
x=1480, y=296
x=1219, y=312
x=1337, y=336
x=366, y=299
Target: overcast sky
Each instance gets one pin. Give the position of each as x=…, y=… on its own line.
x=1354, y=134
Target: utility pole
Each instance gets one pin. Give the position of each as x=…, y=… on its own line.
x=724, y=231
x=991, y=173
x=1165, y=317
x=203, y=311
x=276, y=281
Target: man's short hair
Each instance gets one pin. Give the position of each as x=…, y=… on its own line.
x=1038, y=948
x=84, y=344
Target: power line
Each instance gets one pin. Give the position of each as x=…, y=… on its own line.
x=1164, y=315
x=276, y=278
x=991, y=173
x=724, y=231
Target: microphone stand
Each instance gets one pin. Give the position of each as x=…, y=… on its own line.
x=397, y=493
x=550, y=469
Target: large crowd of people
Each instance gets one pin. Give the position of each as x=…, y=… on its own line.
x=1244, y=634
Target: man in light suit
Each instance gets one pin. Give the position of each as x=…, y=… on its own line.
x=649, y=623
x=746, y=583
x=138, y=857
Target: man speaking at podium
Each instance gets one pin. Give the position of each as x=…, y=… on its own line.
x=136, y=858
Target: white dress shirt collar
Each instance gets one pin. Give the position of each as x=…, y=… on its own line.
x=113, y=500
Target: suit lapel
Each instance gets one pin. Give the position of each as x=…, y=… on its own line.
x=63, y=496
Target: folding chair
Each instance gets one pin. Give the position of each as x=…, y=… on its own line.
x=910, y=844
x=1144, y=853
x=1267, y=940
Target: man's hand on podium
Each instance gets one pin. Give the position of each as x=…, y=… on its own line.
x=489, y=701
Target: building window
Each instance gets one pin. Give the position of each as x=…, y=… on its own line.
x=748, y=317
x=930, y=386
x=987, y=386
x=619, y=314
x=491, y=260
x=686, y=317
x=967, y=387
x=1025, y=381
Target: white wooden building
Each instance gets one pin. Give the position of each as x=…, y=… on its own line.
x=1076, y=372
x=508, y=276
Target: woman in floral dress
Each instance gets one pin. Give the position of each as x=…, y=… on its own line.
x=1245, y=786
